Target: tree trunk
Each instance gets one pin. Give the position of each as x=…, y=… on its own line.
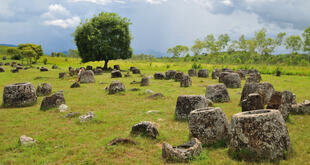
x=105, y=65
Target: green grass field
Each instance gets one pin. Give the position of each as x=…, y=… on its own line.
x=65, y=141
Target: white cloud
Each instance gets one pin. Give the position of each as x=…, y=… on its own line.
x=156, y=1
x=59, y=16
x=56, y=11
x=101, y=2
x=64, y=23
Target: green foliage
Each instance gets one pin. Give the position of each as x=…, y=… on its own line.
x=73, y=53
x=294, y=43
x=178, y=51
x=31, y=51
x=106, y=37
x=45, y=61
x=14, y=53
x=306, y=36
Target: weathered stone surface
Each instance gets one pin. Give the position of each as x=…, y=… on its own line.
x=98, y=71
x=72, y=72
x=70, y=68
x=145, y=128
x=117, y=141
x=14, y=70
x=217, y=93
x=44, y=89
x=287, y=101
x=178, y=76
x=215, y=73
x=132, y=68
x=145, y=81
x=26, y=141
x=87, y=77
x=1, y=63
x=19, y=95
x=209, y=125
x=264, y=89
x=7, y=63
x=19, y=67
x=53, y=101
x=242, y=74
x=2, y=69
x=222, y=75
x=43, y=69
x=115, y=87
x=278, y=73
x=117, y=67
x=232, y=80
x=87, y=117
x=275, y=100
x=148, y=91
x=254, y=101
x=159, y=76
x=116, y=74
x=13, y=64
x=54, y=67
x=4, y=58
x=186, y=81
x=182, y=153
x=303, y=108
x=63, y=108
x=136, y=71
x=227, y=70
x=254, y=78
x=72, y=115
x=203, y=73
x=62, y=75
x=170, y=74
x=192, y=72
x=75, y=85
x=187, y=103
x=259, y=135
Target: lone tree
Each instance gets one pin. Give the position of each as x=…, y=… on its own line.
x=104, y=37
x=178, y=50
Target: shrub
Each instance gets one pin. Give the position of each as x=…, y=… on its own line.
x=45, y=61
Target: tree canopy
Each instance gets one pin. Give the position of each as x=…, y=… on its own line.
x=106, y=37
x=178, y=50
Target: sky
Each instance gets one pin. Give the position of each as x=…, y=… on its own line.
x=156, y=24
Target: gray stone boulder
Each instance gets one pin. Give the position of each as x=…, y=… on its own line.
x=259, y=135
x=264, y=89
x=217, y=93
x=232, y=80
x=178, y=76
x=75, y=85
x=116, y=74
x=53, y=101
x=72, y=72
x=183, y=153
x=170, y=74
x=98, y=71
x=43, y=69
x=227, y=70
x=159, y=76
x=62, y=75
x=254, y=78
x=145, y=81
x=54, y=67
x=215, y=73
x=222, y=75
x=117, y=67
x=7, y=64
x=186, y=81
x=187, y=103
x=203, y=73
x=287, y=101
x=192, y=72
x=254, y=101
x=26, y=141
x=209, y=125
x=278, y=73
x=275, y=100
x=136, y=71
x=19, y=95
x=44, y=89
x=72, y=115
x=1, y=63
x=116, y=87
x=4, y=58
x=145, y=128
x=303, y=108
x=2, y=69
x=87, y=117
x=14, y=70
x=87, y=77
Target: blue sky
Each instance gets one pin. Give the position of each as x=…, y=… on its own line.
x=156, y=24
